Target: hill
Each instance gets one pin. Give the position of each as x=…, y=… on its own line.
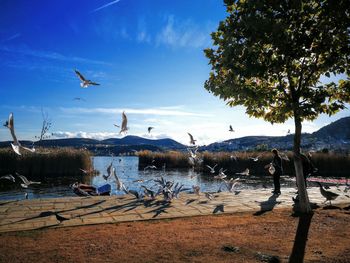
x=336, y=135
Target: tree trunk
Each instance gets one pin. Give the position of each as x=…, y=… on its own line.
x=304, y=204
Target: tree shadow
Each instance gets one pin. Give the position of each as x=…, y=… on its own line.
x=267, y=205
x=298, y=251
x=331, y=207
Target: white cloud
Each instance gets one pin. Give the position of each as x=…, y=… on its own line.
x=104, y=6
x=86, y=135
x=144, y=111
x=12, y=37
x=51, y=55
x=178, y=33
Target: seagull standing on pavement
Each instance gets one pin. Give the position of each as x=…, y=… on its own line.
x=327, y=194
x=196, y=189
x=85, y=82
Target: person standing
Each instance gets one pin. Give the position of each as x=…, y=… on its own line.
x=277, y=164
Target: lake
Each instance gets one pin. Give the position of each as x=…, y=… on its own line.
x=127, y=170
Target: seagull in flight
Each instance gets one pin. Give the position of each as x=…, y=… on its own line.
x=255, y=159
x=231, y=129
x=8, y=177
x=85, y=82
x=150, y=167
x=10, y=125
x=78, y=98
x=25, y=181
x=192, y=141
x=231, y=184
x=221, y=174
x=212, y=169
x=149, y=129
x=124, y=127
x=245, y=172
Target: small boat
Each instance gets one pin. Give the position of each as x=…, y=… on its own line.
x=89, y=190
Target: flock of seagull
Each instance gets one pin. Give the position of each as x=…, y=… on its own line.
x=168, y=189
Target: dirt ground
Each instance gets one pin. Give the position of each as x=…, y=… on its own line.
x=240, y=237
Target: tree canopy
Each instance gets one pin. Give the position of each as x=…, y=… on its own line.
x=269, y=56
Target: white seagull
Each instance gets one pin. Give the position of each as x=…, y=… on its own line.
x=245, y=172
x=26, y=182
x=212, y=169
x=221, y=174
x=10, y=125
x=8, y=177
x=255, y=159
x=231, y=184
x=124, y=127
x=192, y=141
x=150, y=167
x=84, y=82
x=15, y=145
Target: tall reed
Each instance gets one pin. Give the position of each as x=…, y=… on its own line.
x=45, y=162
x=329, y=164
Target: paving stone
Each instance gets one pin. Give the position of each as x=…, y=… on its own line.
x=30, y=214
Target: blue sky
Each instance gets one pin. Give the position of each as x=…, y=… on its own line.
x=147, y=55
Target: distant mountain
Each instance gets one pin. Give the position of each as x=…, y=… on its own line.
x=333, y=136
x=108, y=146
x=135, y=140
x=339, y=129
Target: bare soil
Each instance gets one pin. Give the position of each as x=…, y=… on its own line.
x=240, y=237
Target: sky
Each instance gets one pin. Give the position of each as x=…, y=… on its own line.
x=148, y=57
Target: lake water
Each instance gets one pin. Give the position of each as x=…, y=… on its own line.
x=127, y=170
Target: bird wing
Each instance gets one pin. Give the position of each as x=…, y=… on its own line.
x=15, y=149
x=11, y=126
x=8, y=177
x=93, y=83
x=81, y=77
x=29, y=149
x=124, y=122
x=24, y=179
x=191, y=137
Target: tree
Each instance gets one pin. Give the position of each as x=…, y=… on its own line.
x=269, y=55
x=46, y=125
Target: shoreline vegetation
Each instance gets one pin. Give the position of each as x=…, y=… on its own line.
x=46, y=162
x=328, y=164
x=67, y=162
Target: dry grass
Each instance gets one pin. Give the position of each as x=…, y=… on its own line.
x=46, y=162
x=328, y=164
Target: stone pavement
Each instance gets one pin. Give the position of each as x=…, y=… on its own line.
x=20, y=215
